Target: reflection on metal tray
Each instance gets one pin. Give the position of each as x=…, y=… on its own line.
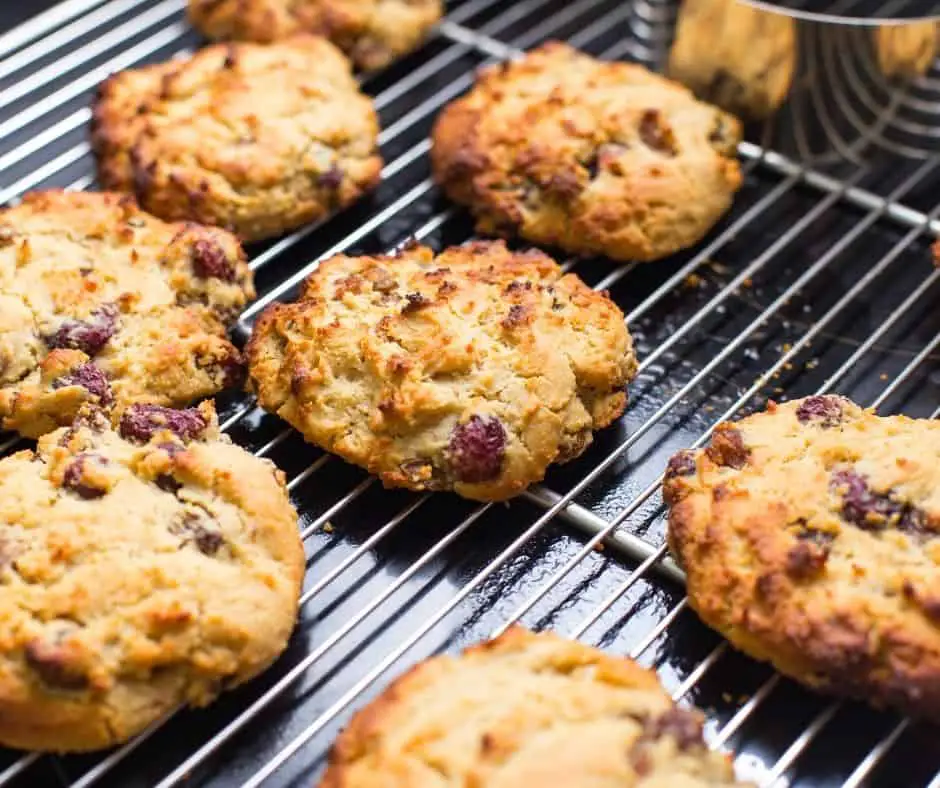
x=819, y=279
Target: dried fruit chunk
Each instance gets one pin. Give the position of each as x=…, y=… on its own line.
x=682, y=463
x=656, y=133
x=824, y=410
x=211, y=261
x=78, y=480
x=89, y=336
x=142, y=422
x=476, y=449
x=810, y=553
x=90, y=377
x=57, y=662
x=874, y=511
x=198, y=528
x=684, y=726
x=727, y=447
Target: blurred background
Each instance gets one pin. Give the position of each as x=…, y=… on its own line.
x=12, y=14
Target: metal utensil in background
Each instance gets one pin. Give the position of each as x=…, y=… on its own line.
x=856, y=12
x=850, y=93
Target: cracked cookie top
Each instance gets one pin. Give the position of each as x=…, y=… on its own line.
x=102, y=302
x=141, y=567
x=259, y=139
x=810, y=534
x=590, y=156
x=471, y=370
x=526, y=710
x=372, y=32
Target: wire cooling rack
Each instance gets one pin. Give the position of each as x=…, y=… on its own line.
x=818, y=280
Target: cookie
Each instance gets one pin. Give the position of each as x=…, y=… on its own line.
x=591, y=157
x=810, y=534
x=101, y=302
x=140, y=568
x=523, y=710
x=908, y=50
x=372, y=32
x=736, y=56
x=470, y=371
x=259, y=139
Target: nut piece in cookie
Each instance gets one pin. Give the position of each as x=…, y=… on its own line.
x=595, y=158
x=472, y=370
x=372, y=33
x=105, y=304
x=256, y=138
x=736, y=56
x=140, y=569
x=810, y=535
x=906, y=51
x=526, y=709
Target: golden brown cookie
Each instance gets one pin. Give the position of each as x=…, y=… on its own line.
x=140, y=568
x=471, y=371
x=592, y=157
x=906, y=51
x=372, y=32
x=102, y=302
x=736, y=56
x=258, y=139
x=810, y=535
x=526, y=710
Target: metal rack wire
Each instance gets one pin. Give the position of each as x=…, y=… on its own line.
x=819, y=280
x=860, y=112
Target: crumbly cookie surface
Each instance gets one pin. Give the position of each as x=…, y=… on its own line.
x=102, y=302
x=810, y=534
x=732, y=54
x=471, y=371
x=255, y=138
x=592, y=157
x=525, y=710
x=140, y=568
x=372, y=32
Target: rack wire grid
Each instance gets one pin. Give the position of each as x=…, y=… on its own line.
x=819, y=280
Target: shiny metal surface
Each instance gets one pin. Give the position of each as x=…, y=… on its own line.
x=866, y=13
